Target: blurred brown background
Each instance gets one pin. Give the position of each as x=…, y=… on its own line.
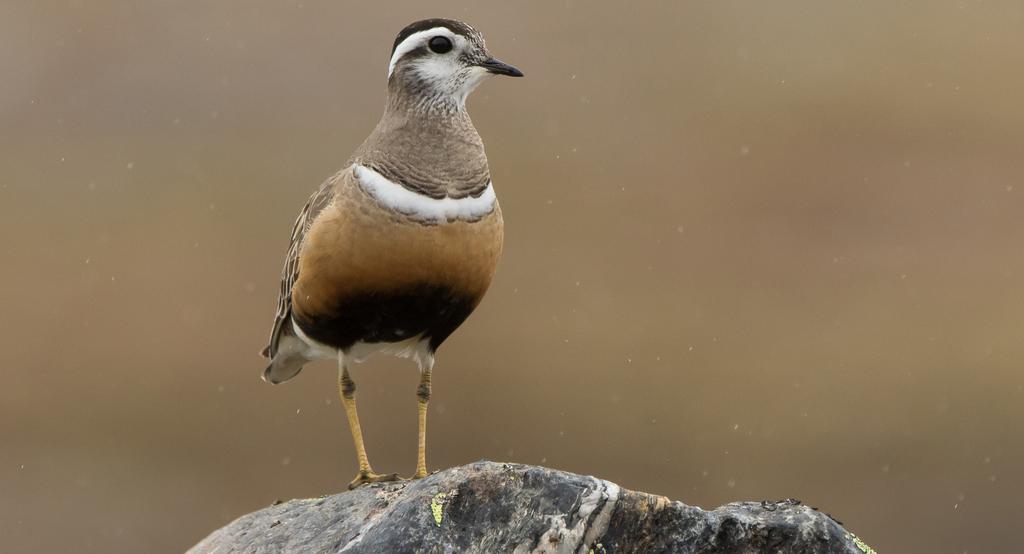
x=754, y=250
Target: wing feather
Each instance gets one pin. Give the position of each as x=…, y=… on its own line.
x=290, y=273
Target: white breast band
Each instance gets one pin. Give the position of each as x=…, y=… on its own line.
x=396, y=197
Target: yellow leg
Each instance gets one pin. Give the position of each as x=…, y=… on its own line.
x=422, y=398
x=347, y=389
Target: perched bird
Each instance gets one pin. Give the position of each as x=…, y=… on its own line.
x=394, y=252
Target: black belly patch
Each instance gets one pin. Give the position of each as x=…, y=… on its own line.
x=432, y=310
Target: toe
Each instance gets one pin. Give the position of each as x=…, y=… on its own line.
x=370, y=477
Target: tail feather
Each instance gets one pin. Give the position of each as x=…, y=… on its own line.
x=287, y=353
x=283, y=368
x=287, y=361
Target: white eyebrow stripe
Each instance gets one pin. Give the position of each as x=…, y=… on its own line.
x=414, y=41
x=396, y=197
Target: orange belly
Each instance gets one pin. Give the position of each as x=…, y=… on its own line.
x=368, y=274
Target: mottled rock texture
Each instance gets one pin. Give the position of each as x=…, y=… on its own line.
x=493, y=507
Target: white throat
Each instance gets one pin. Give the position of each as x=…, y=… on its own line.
x=396, y=197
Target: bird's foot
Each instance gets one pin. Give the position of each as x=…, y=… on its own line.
x=364, y=477
x=420, y=474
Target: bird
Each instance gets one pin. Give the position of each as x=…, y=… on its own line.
x=393, y=252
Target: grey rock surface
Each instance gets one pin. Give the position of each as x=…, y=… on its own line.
x=493, y=507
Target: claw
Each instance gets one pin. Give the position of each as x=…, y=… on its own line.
x=365, y=477
x=420, y=474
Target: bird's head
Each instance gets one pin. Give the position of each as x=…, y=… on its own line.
x=438, y=62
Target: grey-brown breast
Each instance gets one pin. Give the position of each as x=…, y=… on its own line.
x=435, y=156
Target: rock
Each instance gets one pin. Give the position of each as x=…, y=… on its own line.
x=492, y=507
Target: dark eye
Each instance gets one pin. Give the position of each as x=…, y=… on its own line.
x=440, y=45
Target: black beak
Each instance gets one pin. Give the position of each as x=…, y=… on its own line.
x=499, y=67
